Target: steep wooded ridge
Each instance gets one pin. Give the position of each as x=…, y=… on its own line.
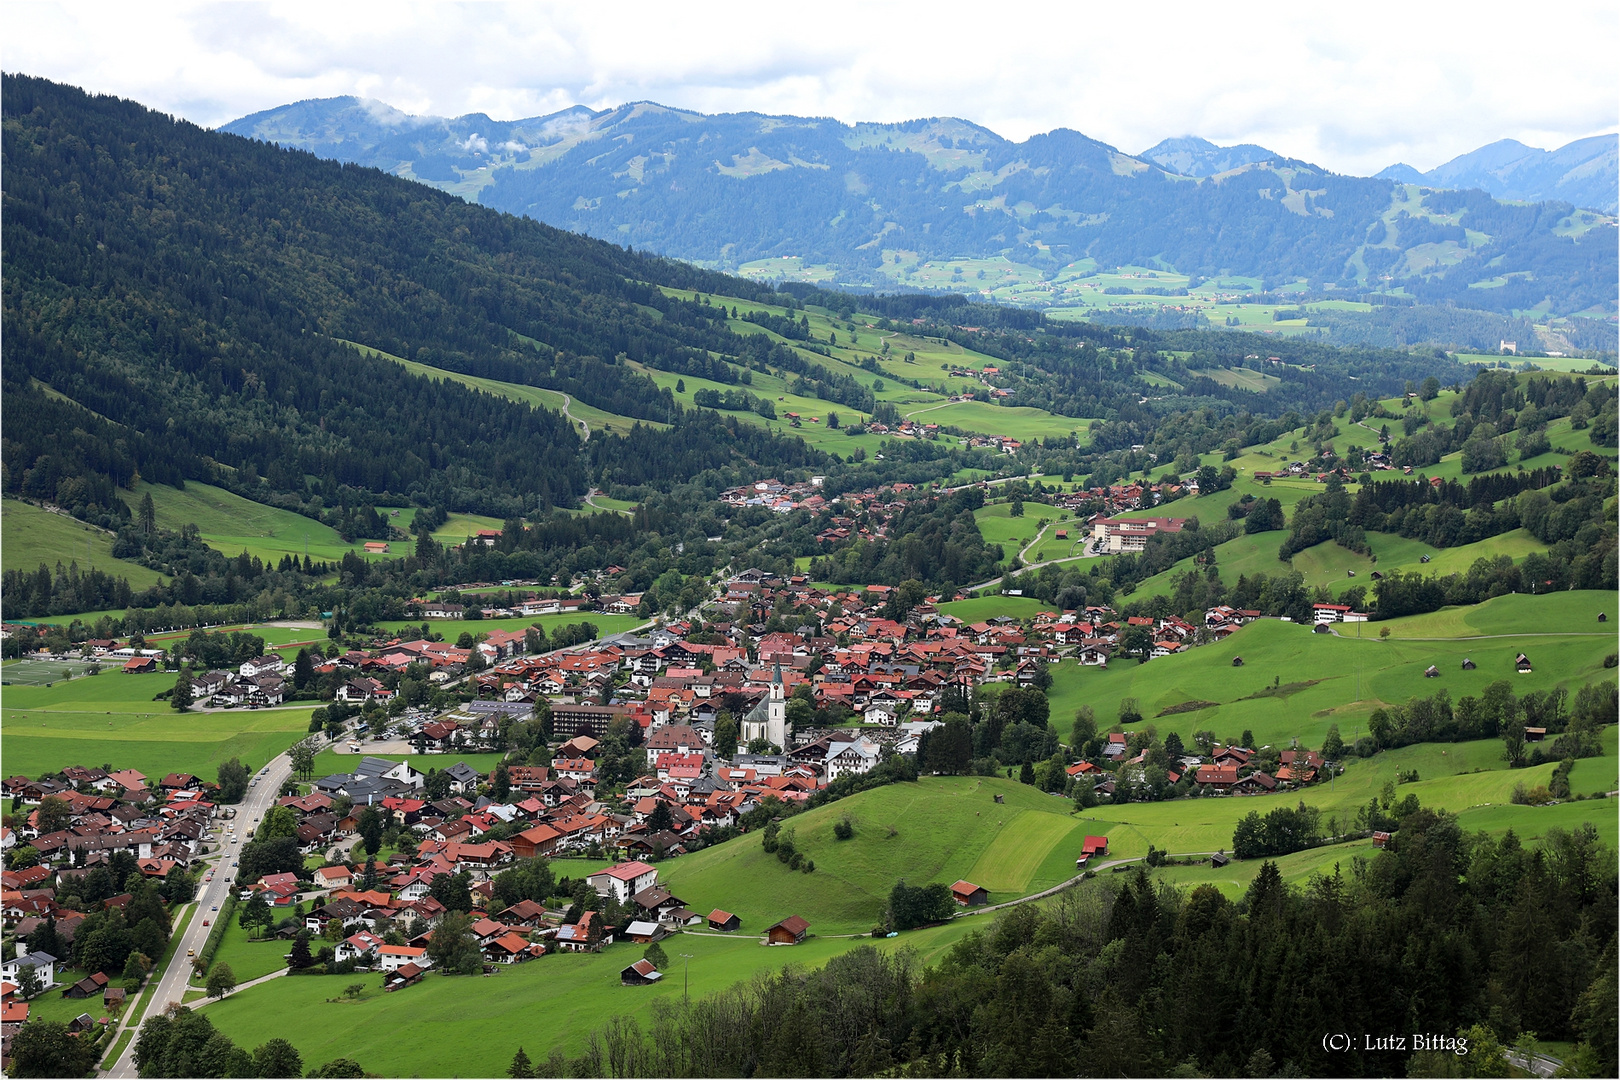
x=177, y=304
x=180, y=305
x=732, y=188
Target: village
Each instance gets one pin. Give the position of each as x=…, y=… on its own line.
x=724, y=734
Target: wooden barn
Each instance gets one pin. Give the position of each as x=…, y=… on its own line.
x=790, y=931
x=968, y=894
x=640, y=973
x=723, y=921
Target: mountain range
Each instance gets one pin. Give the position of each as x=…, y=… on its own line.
x=1585, y=172
x=870, y=202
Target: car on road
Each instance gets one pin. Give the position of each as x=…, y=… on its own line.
x=235, y=864
x=207, y=921
x=191, y=952
x=214, y=908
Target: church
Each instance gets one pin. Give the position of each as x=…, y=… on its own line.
x=768, y=719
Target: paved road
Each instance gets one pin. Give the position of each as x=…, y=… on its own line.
x=590, y=500
x=1069, y=884
x=172, y=984
x=585, y=429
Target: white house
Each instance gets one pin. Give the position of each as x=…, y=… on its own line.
x=262, y=665
x=394, y=957
x=43, y=963
x=859, y=756
x=361, y=947
x=623, y=881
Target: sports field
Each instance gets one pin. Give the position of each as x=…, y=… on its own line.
x=995, y=606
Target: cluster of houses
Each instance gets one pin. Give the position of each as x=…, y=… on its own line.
x=95, y=815
x=1231, y=771
x=161, y=822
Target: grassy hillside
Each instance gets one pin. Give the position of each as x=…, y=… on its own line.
x=472, y=1027
x=937, y=830
x=33, y=536
x=1573, y=612
x=1469, y=779
x=1328, y=564
x=1295, y=683
x=555, y=400
x=232, y=524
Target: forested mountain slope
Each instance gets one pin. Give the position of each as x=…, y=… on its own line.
x=732, y=188
x=177, y=301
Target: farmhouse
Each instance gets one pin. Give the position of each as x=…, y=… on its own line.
x=723, y=921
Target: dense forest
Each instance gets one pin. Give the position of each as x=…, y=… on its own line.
x=193, y=294
x=1454, y=935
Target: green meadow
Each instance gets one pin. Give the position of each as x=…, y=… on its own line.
x=1573, y=612
x=995, y=606
x=1294, y=683
x=112, y=718
x=1018, y=422
x=477, y=1024
x=455, y=530
x=938, y=830
x=155, y=743
x=998, y=526
x=1469, y=779
x=1330, y=565
x=593, y=419
x=34, y=536
x=232, y=524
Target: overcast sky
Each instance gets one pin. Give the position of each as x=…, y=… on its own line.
x=1351, y=86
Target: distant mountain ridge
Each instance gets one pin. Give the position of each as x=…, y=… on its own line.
x=869, y=202
x=1585, y=172
x=1192, y=156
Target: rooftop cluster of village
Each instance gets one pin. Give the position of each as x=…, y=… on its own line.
x=640, y=747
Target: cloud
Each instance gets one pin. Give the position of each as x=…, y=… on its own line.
x=1353, y=88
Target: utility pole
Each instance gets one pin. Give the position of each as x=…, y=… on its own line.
x=686, y=978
